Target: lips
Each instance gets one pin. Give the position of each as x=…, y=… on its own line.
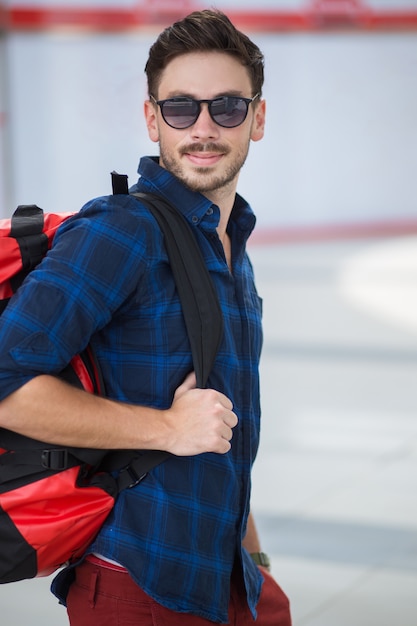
x=204, y=155
x=204, y=159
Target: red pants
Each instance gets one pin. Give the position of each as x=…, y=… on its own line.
x=104, y=597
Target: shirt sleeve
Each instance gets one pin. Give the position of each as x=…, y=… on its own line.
x=96, y=262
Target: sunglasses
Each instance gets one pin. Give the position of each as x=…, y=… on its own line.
x=226, y=111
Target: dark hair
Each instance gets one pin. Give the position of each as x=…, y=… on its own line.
x=204, y=31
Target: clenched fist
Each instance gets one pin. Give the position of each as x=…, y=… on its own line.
x=199, y=420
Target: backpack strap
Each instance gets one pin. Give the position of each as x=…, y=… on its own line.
x=200, y=306
x=198, y=295
x=27, y=228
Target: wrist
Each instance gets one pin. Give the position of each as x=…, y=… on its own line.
x=261, y=559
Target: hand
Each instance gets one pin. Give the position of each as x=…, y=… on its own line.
x=199, y=420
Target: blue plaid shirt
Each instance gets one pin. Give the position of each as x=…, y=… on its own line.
x=107, y=280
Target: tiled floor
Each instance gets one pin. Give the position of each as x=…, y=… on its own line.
x=335, y=482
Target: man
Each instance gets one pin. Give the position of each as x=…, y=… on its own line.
x=171, y=552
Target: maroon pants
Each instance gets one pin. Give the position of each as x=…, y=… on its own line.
x=105, y=597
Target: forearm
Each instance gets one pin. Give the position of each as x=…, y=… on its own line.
x=253, y=545
x=49, y=409
x=251, y=540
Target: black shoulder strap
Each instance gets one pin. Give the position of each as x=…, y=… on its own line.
x=199, y=301
x=26, y=227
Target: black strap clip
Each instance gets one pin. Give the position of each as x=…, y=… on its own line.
x=128, y=477
x=119, y=183
x=57, y=459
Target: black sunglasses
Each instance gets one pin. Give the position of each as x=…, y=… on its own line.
x=182, y=112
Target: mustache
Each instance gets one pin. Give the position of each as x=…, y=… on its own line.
x=205, y=147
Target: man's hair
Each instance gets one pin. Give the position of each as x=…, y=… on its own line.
x=204, y=31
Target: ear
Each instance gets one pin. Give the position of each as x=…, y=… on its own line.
x=150, y=111
x=258, y=125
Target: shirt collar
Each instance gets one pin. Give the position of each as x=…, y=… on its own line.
x=198, y=209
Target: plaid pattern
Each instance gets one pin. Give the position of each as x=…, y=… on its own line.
x=107, y=280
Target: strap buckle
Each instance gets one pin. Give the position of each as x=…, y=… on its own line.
x=57, y=459
x=133, y=478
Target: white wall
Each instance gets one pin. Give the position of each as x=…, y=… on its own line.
x=342, y=128
x=341, y=141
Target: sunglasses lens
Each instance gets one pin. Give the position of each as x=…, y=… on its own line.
x=183, y=112
x=229, y=111
x=180, y=112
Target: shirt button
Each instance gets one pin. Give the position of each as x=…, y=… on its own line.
x=194, y=219
x=209, y=211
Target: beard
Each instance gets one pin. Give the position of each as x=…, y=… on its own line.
x=203, y=179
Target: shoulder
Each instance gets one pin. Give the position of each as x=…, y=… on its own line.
x=115, y=218
x=114, y=210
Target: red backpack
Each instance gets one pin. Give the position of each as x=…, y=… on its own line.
x=53, y=501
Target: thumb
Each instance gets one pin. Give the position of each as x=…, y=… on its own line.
x=188, y=383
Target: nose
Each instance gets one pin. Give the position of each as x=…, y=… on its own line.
x=204, y=126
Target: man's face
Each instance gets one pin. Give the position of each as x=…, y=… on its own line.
x=205, y=156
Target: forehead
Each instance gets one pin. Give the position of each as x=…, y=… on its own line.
x=204, y=75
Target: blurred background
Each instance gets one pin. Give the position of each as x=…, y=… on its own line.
x=334, y=187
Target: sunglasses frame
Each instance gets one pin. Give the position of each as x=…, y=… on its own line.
x=209, y=103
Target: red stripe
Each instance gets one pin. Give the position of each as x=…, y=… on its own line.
x=81, y=371
x=116, y=19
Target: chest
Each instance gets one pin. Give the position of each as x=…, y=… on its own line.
x=148, y=339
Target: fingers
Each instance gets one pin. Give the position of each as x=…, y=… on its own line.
x=199, y=420
x=190, y=382
x=229, y=417
x=226, y=436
